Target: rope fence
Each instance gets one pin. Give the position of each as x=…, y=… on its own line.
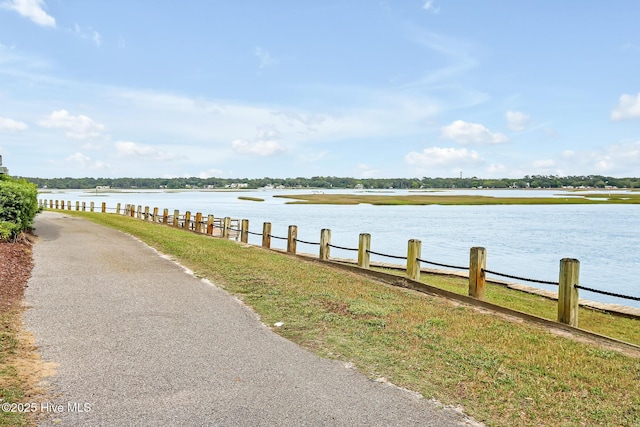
x=611, y=294
x=567, y=285
x=524, y=279
x=277, y=237
x=443, y=265
x=307, y=243
x=343, y=248
x=386, y=255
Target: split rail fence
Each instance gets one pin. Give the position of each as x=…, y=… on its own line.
x=568, y=281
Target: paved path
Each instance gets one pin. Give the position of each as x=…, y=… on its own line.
x=142, y=343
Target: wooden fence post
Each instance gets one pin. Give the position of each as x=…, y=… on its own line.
x=62, y=205
x=266, y=235
x=155, y=215
x=84, y=206
x=291, y=239
x=567, y=292
x=77, y=206
x=226, y=226
x=118, y=209
x=198, y=222
x=244, y=231
x=325, y=241
x=414, y=249
x=50, y=203
x=139, y=212
x=165, y=216
x=187, y=220
x=92, y=207
x=210, y=225
x=69, y=205
x=104, y=207
x=477, y=276
x=57, y=204
x=146, y=213
x=364, y=245
x=176, y=218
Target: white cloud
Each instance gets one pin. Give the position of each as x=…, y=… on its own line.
x=517, y=120
x=86, y=162
x=439, y=157
x=88, y=34
x=628, y=108
x=260, y=148
x=132, y=149
x=265, y=58
x=544, y=164
x=431, y=7
x=12, y=125
x=621, y=159
x=97, y=38
x=313, y=156
x=211, y=173
x=77, y=127
x=31, y=9
x=466, y=133
x=367, y=171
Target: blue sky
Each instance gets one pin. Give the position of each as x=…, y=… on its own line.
x=341, y=88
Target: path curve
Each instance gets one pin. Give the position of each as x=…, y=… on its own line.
x=140, y=343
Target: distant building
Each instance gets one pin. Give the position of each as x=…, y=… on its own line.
x=3, y=170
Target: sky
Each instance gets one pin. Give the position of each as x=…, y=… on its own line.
x=348, y=88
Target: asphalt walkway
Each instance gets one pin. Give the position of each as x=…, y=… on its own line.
x=139, y=342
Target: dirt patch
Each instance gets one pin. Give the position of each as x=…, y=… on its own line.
x=15, y=269
x=22, y=371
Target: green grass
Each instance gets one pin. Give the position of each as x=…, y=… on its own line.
x=11, y=385
x=502, y=373
x=354, y=199
x=621, y=328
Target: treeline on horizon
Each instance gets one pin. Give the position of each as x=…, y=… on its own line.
x=325, y=182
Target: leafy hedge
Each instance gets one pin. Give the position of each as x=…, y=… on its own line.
x=18, y=206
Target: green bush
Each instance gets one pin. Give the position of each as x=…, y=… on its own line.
x=18, y=206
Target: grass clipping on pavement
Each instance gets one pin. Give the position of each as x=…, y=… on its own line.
x=500, y=372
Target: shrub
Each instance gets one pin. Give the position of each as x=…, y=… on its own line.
x=18, y=206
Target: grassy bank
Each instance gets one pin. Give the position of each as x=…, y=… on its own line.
x=429, y=199
x=621, y=328
x=500, y=372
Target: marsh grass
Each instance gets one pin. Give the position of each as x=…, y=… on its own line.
x=422, y=199
x=500, y=372
x=251, y=199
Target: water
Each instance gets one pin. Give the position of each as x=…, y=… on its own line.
x=521, y=240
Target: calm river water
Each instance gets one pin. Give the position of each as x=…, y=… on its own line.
x=524, y=241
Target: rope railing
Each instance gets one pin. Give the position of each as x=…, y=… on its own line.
x=525, y=279
x=386, y=255
x=277, y=237
x=611, y=294
x=201, y=224
x=443, y=265
x=343, y=248
x=307, y=243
